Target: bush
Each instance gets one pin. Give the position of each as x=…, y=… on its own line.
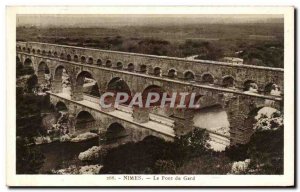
x=29, y=158
x=164, y=167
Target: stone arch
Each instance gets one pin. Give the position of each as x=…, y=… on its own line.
x=55, y=54
x=84, y=120
x=33, y=51
x=27, y=62
x=43, y=52
x=250, y=85
x=228, y=81
x=130, y=67
x=172, y=73
x=83, y=59
x=189, y=75
x=143, y=68
x=87, y=83
x=99, y=62
x=153, y=89
x=115, y=132
x=272, y=89
x=207, y=78
x=61, y=106
x=157, y=71
x=62, y=56
x=24, y=49
x=38, y=51
x=49, y=53
x=119, y=65
x=28, y=50
x=76, y=58
x=69, y=57
x=90, y=60
x=117, y=85
x=108, y=63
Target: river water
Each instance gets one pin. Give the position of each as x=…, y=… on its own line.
x=58, y=155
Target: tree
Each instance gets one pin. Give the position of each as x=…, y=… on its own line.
x=193, y=143
x=29, y=158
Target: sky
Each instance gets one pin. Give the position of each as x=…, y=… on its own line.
x=133, y=20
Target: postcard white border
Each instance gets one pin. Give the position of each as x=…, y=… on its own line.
x=201, y=180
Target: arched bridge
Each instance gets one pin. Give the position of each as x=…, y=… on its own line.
x=78, y=76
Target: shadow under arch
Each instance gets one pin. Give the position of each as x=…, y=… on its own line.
x=115, y=133
x=61, y=106
x=84, y=121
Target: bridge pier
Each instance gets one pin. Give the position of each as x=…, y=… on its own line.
x=77, y=93
x=183, y=121
x=140, y=115
x=56, y=86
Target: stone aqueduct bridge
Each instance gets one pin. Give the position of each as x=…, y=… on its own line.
x=216, y=83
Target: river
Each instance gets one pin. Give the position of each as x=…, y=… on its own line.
x=60, y=154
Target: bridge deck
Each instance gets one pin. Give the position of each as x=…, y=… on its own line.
x=152, y=125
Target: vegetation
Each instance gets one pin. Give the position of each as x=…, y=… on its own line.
x=256, y=43
x=29, y=159
x=154, y=155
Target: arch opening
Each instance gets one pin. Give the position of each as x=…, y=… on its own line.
x=157, y=71
x=214, y=119
x=88, y=84
x=115, y=133
x=108, y=63
x=189, y=76
x=119, y=65
x=55, y=54
x=69, y=58
x=172, y=73
x=207, y=78
x=27, y=62
x=61, y=106
x=99, y=62
x=153, y=89
x=143, y=69
x=33, y=51
x=90, y=60
x=26, y=69
x=118, y=85
x=250, y=86
x=49, y=53
x=130, y=67
x=62, y=80
x=84, y=120
x=272, y=89
x=228, y=82
x=62, y=56
x=28, y=50
x=83, y=59
x=76, y=58
x=38, y=51
x=43, y=52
